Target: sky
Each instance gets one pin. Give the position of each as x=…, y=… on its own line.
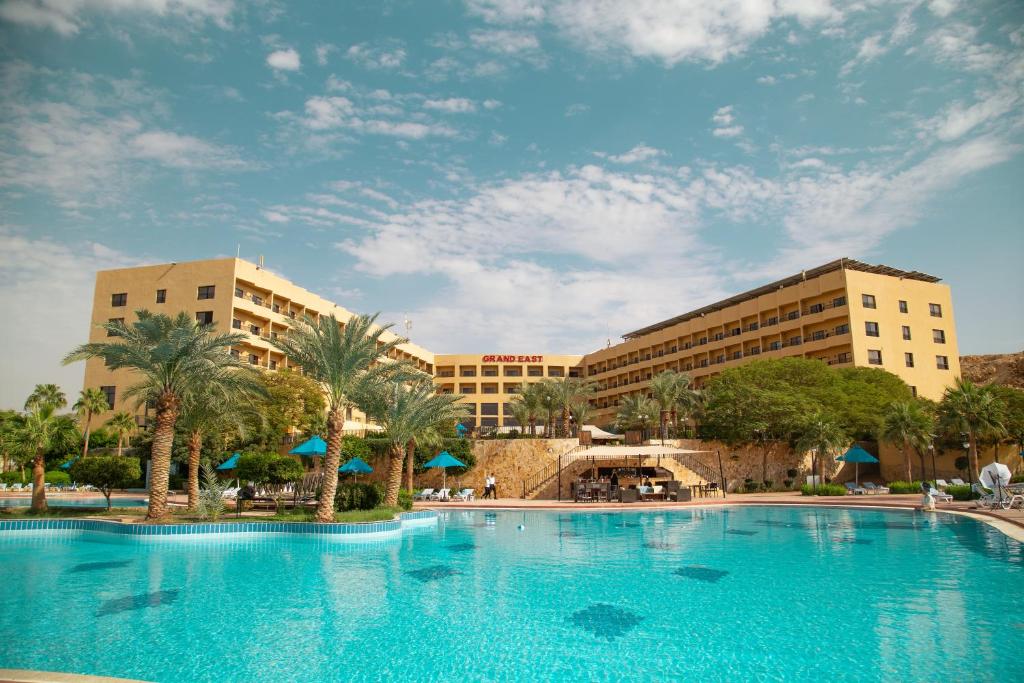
x=512, y=176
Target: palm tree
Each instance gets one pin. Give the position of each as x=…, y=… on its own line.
x=972, y=409
x=670, y=390
x=49, y=394
x=41, y=430
x=173, y=357
x=548, y=402
x=90, y=401
x=342, y=361
x=522, y=412
x=220, y=408
x=636, y=412
x=820, y=435
x=908, y=425
x=687, y=402
x=123, y=424
x=564, y=393
x=581, y=410
x=407, y=406
x=532, y=400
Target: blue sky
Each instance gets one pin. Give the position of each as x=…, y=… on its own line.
x=512, y=174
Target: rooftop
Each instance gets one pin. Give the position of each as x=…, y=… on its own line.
x=838, y=264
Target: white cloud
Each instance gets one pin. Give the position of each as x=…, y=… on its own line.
x=284, y=60
x=373, y=57
x=323, y=53
x=275, y=217
x=958, y=119
x=326, y=113
x=639, y=153
x=505, y=42
x=452, y=105
x=497, y=139
x=61, y=273
x=767, y=80
x=68, y=17
x=723, y=118
x=576, y=109
x=492, y=104
x=183, y=151
x=507, y=11
x=942, y=8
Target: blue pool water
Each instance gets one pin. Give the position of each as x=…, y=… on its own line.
x=766, y=593
x=57, y=502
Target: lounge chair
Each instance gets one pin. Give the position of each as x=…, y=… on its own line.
x=957, y=482
x=465, y=495
x=442, y=494
x=231, y=492
x=871, y=487
x=852, y=488
x=425, y=494
x=3, y=487
x=941, y=484
x=986, y=498
x=939, y=496
x=15, y=487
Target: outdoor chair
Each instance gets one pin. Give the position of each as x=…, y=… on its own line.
x=939, y=496
x=712, y=488
x=425, y=494
x=957, y=482
x=441, y=495
x=852, y=488
x=465, y=495
x=941, y=484
x=871, y=487
x=985, y=498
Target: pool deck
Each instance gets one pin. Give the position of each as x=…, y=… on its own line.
x=1010, y=522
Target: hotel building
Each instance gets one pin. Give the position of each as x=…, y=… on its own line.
x=845, y=313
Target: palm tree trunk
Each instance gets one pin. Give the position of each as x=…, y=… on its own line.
x=410, y=461
x=533, y=425
x=972, y=456
x=565, y=423
x=663, y=421
x=674, y=417
x=332, y=459
x=120, y=440
x=394, y=481
x=764, y=462
x=195, y=446
x=38, y=483
x=906, y=462
x=163, y=441
x=88, y=428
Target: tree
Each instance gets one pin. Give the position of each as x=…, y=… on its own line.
x=90, y=401
x=342, y=361
x=212, y=409
x=636, y=412
x=522, y=413
x=107, y=473
x=822, y=436
x=1012, y=401
x=531, y=398
x=172, y=357
x=271, y=469
x=909, y=426
x=9, y=421
x=564, y=393
x=292, y=401
x=211, y=499
x=41, y=430
x=664, y=387
x=124, y=425
x=974, y=410
x=46, y=394
x=581, y=410
x=407, y=406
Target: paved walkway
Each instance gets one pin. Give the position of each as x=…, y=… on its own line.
x=1010, y=522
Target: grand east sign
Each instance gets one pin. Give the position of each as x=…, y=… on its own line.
x=512, y=359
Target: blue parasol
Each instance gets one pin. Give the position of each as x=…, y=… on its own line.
x=312, y=446
x=444, y=460
x=857, y=455
x=231, y=463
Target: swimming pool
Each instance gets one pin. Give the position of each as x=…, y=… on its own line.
x=715, y=594
x=58, y=502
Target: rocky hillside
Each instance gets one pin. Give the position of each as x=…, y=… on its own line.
x=1004, y=368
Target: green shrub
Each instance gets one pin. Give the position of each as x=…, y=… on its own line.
x=788, y=483
x=961, y=492
x=405, y=499
x=358, y=496
x=904, y=487
x=791, y=474
x=106, y=472
x=13, y=477
x=58, y=478
x=176, y=482
x=1017, y=479
x=768, y=483
x=823, y=490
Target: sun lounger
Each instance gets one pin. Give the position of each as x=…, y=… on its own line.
x=939, y=496
x=464, y=495
x=871, y=487
x=957, y=482
x=443, y=494
x=230, y=492
x=425, y=494
x=852, y=488
x=941, y=484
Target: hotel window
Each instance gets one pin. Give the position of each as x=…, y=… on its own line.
x=838, y=301
x=942, y=362
x=908, y=358
x=161, y=296
x=939, y=336
x=906, y=332
x=467, y=372
x=874, y=357
x=913, y=391
x=794, y=341
x=236, y=324
x=470, y=408
x=111, y=333
x=235, y=353
x=273, y=335
x=489, y=372
x=735, y=331
x=239, y=293
x=774, y=320
x=702, y=341
x=275, y=308
x=513, y=372
x=871, y=329
x=868, y=300
x=489, y=389
x=273, y=365
x=903, y=306
x=117, y=300
x=555, y=372
x=534, y=371
x=818, y=335
x=205, y=317
x=467, y=389
x=719, y=336
x=488, y=408
x=488, y=422
x=775, y=346
x=935, y=310
x=254, y=329
x=754, y=350
x=843, y=357
x=109, y=393
x=842, y=329
x=254, y=359
x=206, y=292
x=816, y=308
x=258, y=300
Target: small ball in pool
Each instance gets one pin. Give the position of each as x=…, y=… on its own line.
x=521, y=527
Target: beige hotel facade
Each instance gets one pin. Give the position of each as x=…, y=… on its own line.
x=845, y=313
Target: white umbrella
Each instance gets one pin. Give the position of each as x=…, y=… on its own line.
x=996, y=476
